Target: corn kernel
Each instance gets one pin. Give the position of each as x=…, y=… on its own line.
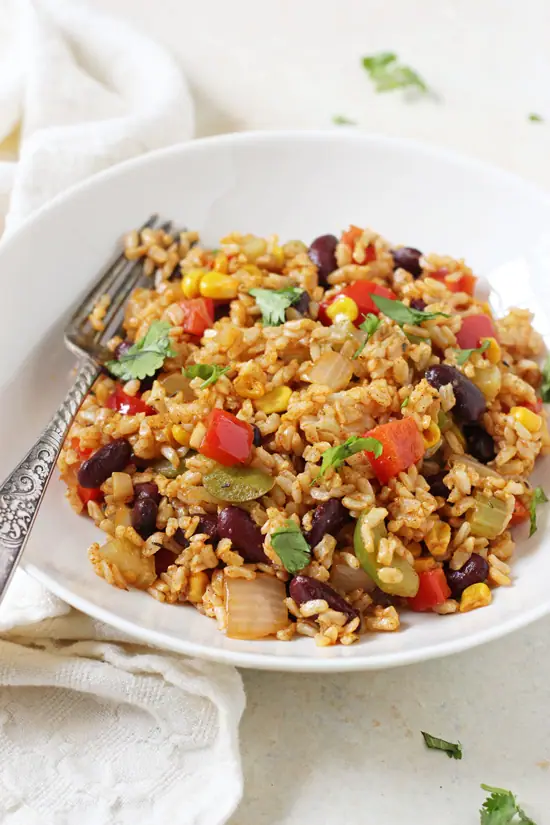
x=278, y=255
x=198, y=582
x=220, y=264
x=488, y=379
x=343, y=306
x=252, y=269
x=492, y=353
x=438, y=538
x=275, y=401
x=530, y=420
x=476, y=595
x=181, y=435
x=218, y=286
x=431, y=436
x=190, y=283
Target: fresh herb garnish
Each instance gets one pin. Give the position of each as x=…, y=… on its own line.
x=501, y=808
x=534, y=118
x=369, y=325
x=388, y=74
x=539, y=497
x=453, y=751
x=401, y=314
x=405, y=403
x=545, y=386
x=274, y=302
x=209, y=372
x=147, y=356
x=291, y=547
x=335, y=456
x=464, y=354
x=341, y=120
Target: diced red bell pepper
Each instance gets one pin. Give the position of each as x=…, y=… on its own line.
x=127, y=404
x=228, y=440
x=473, y=329
x=520, y=514
x=466, y=283
x=83, y=452
x=89, y=494
x=198, y=315
x=536, y=407
x=351, y=236
x=360, y=292
x=432, y=590
x=402, y=446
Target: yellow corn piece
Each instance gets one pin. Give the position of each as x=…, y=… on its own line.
x=476, y=595
x=190, y=283
x=492, y=353
x=275, y=401
x=530, y=420
x=278, y=255
x=220, y=264
x=438, y=538
x=198, y=582
x=218, y=286
x=489, y=380
x=343, y=308
x=252, y=269
x=181, y=435
x=431, y=436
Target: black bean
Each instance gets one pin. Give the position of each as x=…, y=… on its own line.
x=474, y=571
x=479, y=443
x=408, y=258
x=221, y=311
x=305, y=589
x=257, y=436
x=418, y=303
x=437, y=487
x=109, y=459
x=148, y=489
x=322, y=252
x=144, y=516
x=302, y=304
x=380, y=598
x=328, y=517
x=470, y=401
x=246, y=537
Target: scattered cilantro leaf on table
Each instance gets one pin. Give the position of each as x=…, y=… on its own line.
x=534, y=118
x=145, y=357
x=208, y=372
x=335, y=456
x=369, y=325
x=388, y=74
x=291, y=547
x=274, y=302
x=464, y=354
x=402, y=314
x=341, y=120
x=453, y=751
x=501, y=808
x=539, y=497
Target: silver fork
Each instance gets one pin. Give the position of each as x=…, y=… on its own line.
x=23, y=490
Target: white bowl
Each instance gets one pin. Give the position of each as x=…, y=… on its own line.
x=299, y=185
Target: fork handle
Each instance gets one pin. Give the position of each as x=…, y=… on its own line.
x=23, y=490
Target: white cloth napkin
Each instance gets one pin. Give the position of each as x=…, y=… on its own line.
x=94, y=728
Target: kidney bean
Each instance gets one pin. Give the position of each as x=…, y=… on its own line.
x=437, y=487
x=179, y=538
x=245, y=535
x=470, y=401
x=479, y=443
x=305, y=589
x=302, y=304
x=148, y=489
x=207, y=524
x=322, y=253
x=144, y=516
x=418, y=303
x=257, y=436
x=474, y=571
x=380, y=598
x=407, y=258
x=328, y=517
x=163, y=559
x=109, y=459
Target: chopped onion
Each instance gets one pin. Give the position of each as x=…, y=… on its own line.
x=255, y=607
x=177, y=382
x=137, y=570
x=473, y=464
x=332, y=370
x=123, y=516
x=489, y=381
x=123, y=489
x=345, y=579
x=489, y=517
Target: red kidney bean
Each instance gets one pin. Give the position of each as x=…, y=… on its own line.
x=407, y=258
x=207, y=524
x=179, y=537
x=437, y=487
x=245, y=535
x=148, y=489
x=418, y=303
x=470, y=401
x=109, y=459
x=322, y=253
x=163, y=559
x=144, y=516
x=380, y=598
x=328, y=517
x=305, y=589
x=474, y=571
x=479, y=443
x=302, y=304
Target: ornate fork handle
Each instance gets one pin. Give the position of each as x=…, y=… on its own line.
x=23, y=490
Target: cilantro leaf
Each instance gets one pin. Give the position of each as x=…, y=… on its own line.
x=539, y=497
x=335, y=456
x=341, y=120
x=534, y=118
x=388, y=74
x=369, y=325
x=401, y=314
x=274, y=302
x=435, y=743
x=464, y=354
x=146, y=356
x=291, y=547
x=209, y=372
x=405, y=403
x=501, y=808
x=545, y=386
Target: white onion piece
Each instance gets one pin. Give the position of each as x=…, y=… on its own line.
x=473, y=464
x=177, y=382
x=332, y=370
x=137, y=570
x=123, y=489
x=345, y=579
x=255, y=607
x=123, y=516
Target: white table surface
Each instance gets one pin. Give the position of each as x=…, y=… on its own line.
x=347, y=748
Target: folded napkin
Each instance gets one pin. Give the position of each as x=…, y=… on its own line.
x=95, y=728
